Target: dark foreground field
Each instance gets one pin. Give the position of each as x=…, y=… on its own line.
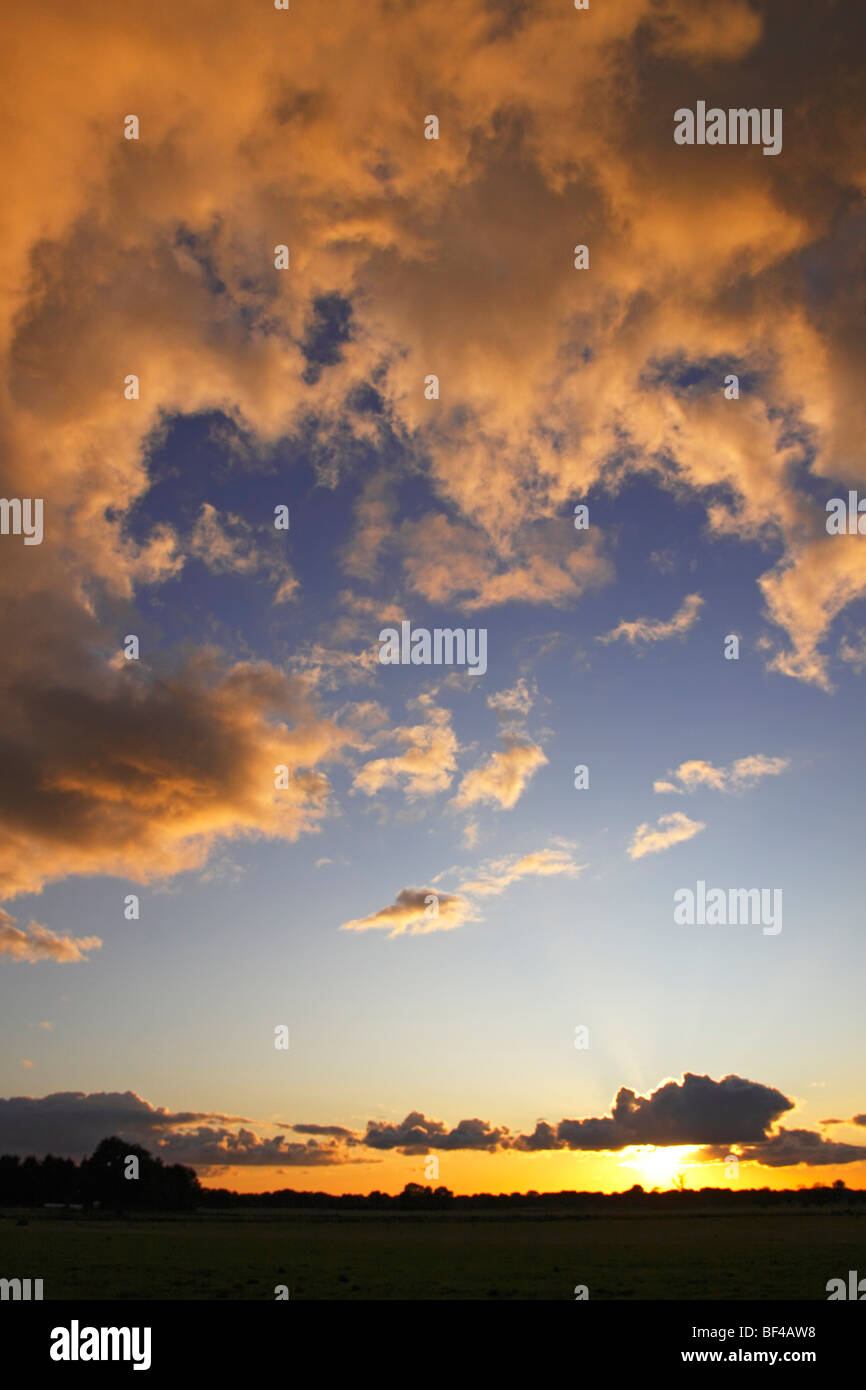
x=785, y=1255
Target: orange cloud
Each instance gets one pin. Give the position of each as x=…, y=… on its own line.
x=428, y=764
x=503, y=778
x=742, y=773
x=669, y=830
x=227, y=546
x=499, y=874
x=417, y=911
x=416, y=231
x=803, y=596
x=657, y=630
x=457, y=256
x=40, y=943
x=129, y=773
x=421, y=910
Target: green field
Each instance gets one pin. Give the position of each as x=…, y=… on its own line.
x=418, y=1255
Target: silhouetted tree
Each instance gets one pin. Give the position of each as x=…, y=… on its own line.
x=105, y=1180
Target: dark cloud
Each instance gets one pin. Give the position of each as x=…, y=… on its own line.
x=209, y=1147
x=332, y=1131
x=326, y=333
x=411, y=911
x=696, y=1110
x=542, y=1137
x=792, y=1146
x=155, y=767
x=107, y=771
x=71, y=1123
x=417, y=1134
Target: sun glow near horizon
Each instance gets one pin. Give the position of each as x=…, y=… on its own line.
x=659, y=1166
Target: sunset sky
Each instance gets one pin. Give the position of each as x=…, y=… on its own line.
x=261, y=388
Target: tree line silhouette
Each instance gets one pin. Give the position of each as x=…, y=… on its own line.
x=416, y=1197
x=100, y=1182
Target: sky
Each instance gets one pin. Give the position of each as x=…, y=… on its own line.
x=255, y=461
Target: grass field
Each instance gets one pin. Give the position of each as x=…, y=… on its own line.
x=417, y=1256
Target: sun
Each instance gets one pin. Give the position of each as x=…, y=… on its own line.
x=658, y=1166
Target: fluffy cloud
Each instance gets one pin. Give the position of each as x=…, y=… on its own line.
x=742, y=773
x=515, y=703
x=854, y=652
x=789, y=1147
x=71, y=1123
x=669, y=830
x=499, y=874
x=504, y=777
x=565, y=382
x=804, y=593
x=329, y=668
x=695, y=1110
x=227, y=545
x=132, y=773
x=379, y=201
x=428, y=764
x=657, y=630
x=40, y=943
x=417, y=911
x=416, y=1134
x=447, y=562
x=421, y=910
x=209, y=1147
